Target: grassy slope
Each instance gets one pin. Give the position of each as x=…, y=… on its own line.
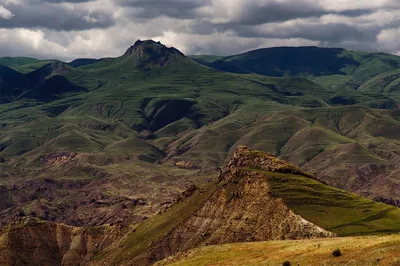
x=383, y=250
x=157, y=227
x=199, y=113
x=138, y=98
x=332, y=68
x=194, y=112
x=23, y=64
x=333, y=209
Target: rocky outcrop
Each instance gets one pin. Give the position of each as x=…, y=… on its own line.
x=186, y=165
x=31, y=242
x=242, y=209
x=153, y=53
x=58, y=158
x=244, y=157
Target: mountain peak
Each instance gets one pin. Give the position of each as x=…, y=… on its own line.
x=149, y=51
x=146, y=42
x=245, y=157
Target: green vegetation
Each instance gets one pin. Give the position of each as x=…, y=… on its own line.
x=130, y=118
x=154, y=101
x=333, y=68
x=23, y=64
x=333, y=209
x=160, y=225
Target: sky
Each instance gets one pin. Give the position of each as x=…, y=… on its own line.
x=69, y=29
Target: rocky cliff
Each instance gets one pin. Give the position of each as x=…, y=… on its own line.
x=32, y=242
x=241, y=209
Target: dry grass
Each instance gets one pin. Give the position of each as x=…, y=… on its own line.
x=376, y=250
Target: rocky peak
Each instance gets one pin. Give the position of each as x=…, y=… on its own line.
x=153, y=52
x=245, y=157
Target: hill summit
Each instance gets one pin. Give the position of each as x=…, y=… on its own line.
x=149, y=51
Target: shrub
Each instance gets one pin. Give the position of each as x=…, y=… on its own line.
x=337, y=253
x=286, y=263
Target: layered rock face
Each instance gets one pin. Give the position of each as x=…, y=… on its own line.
x=29, y=242
x=242, y=209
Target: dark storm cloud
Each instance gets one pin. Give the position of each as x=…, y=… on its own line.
x=310, y=31
x=273, y=11
x=156, y=8
x=67, y=1
x=251, y=12
x=56, y=17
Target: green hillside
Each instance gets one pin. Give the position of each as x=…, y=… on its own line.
x=333, y=68
x=23, y=64
x=155, y=106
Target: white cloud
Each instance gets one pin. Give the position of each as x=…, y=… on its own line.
x=5, y=13
x=341, y=5
x=31, y=42
x=226, y=43
x=389, y=40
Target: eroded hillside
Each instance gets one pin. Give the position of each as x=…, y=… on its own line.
x=257, y=197
x=33, y=242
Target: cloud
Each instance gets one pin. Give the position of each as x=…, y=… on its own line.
x=27, y=42
x=225, y=43
x=5, y=13
x=55, y=16
x=148, y=9
x=77, y=28
x=389, y=40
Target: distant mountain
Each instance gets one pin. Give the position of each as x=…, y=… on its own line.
x=8, y=77
x=45, y=83
x=23, y=64
x=281, y=61
x=316, y=62
x=150, y=52
x=83, y=62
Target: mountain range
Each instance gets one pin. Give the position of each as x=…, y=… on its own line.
x=126, y=150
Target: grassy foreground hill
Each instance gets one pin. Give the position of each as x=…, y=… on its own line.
x=375, y=250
